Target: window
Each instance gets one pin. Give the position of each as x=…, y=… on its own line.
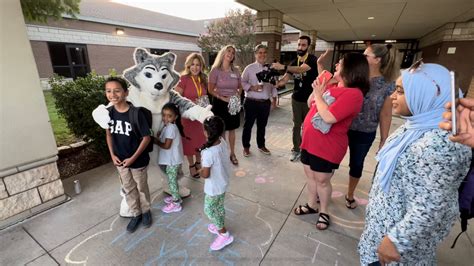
x=158, y=51
x=69, y=60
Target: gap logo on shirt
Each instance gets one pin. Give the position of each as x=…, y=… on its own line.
x=120, y=127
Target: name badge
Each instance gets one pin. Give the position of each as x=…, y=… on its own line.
x=234, y=76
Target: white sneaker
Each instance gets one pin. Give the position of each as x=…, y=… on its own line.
x=295, y=156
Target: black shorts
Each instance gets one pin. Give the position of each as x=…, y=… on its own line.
x=316, y=163
x=219, y=108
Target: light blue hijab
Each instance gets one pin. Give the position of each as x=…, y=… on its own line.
x=426, y=104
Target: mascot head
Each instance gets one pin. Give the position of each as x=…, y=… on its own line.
x=152, y=74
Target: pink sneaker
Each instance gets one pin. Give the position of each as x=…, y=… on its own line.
x=213, y=229
x=172, y=207
x=221, y=241
x=168, y=199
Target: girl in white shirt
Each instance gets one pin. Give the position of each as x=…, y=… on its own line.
x=170, y=156
x=216, y=172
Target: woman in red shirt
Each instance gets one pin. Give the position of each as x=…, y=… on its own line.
x=193, y=85
x=332, y=105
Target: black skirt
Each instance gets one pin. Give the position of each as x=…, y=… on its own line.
x=219, y=108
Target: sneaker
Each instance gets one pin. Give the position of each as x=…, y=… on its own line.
x=213, y=229
x=134, y=223
x=295, y=156
x=246, y=152
x=146, y=219
x=172, y=207
x=264, y=150
x=168, y=199
x=221, y=241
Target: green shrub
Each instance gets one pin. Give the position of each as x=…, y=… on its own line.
x=75, y=101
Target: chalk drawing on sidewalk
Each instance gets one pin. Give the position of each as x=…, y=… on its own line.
x=320, y=244
x=179, y=238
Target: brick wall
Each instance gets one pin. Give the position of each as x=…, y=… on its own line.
x=42, y=58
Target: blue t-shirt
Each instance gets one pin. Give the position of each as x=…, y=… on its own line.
x=368, y=118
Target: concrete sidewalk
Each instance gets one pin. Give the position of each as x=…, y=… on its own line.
x=263, y=192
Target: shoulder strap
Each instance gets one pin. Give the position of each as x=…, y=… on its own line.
x=133, y=116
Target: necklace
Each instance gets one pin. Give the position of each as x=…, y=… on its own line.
x=197, y=86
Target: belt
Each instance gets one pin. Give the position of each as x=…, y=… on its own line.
x=257, y=100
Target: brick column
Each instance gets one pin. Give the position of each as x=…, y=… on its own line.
x=269, y=27
x=313, y=35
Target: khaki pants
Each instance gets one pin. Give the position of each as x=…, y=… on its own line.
x=135, y=184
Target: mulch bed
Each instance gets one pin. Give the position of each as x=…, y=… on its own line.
x=77, y=160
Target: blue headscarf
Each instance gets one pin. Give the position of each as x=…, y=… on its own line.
x=426, y=104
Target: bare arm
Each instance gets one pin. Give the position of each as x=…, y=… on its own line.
x=164, y=145
x=385, y=120
x=292, y=69
x=205, y=172
x=321, y=58
x=179, y=90
x=283, y=80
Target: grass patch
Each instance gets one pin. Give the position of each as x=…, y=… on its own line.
x=62, y=134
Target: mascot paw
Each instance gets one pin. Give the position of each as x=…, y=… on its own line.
x=198, y=113
x=101, y=116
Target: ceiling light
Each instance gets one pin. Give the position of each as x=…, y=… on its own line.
x=373, y=35
x=390, y=41
x=371, y=18
x=357, y=41
x=119, y=31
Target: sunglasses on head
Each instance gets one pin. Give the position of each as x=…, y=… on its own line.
x=415, y=67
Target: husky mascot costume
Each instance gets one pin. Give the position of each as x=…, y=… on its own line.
x=152, y=80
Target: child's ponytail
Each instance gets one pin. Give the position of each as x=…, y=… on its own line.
x=214, y=127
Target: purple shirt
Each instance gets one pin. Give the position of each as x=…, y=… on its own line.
x=227, y=83
x=249, y=79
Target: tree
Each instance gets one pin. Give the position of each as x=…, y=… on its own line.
x=236, y=28
x=41, y=10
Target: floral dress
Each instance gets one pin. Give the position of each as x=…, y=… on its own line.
x=422, y=203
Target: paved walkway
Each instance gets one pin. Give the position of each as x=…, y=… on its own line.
x=263, y=192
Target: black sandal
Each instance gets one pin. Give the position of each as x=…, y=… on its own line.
x=234, y=160
x=323, y=219
x=195, y=168
x=350, y=202
x=307, y=210
x=197, y=165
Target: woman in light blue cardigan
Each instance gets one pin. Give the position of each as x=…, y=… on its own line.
x=413, y=199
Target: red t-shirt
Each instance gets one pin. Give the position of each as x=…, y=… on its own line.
x=333, y=145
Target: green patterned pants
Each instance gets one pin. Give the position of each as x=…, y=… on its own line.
x=214, y=209
x=172, y=174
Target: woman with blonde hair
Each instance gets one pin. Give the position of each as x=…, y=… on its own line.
x=193, y=85
x=225, y=87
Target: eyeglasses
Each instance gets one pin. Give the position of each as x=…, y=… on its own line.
x=416, y=67
x=370, y=55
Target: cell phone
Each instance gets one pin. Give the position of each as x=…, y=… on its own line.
x=325, y=75
x=454, y=101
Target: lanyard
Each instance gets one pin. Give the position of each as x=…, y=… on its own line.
x=303, y=59
x=197, y=86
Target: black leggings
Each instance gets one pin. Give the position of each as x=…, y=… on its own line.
x=359, y=146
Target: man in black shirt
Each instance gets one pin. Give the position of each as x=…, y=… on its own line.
x=304, y=70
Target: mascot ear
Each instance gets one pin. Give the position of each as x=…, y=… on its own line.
x=170, y=57
x=140, y=55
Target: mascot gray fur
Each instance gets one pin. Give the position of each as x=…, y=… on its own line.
x=152, y=80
